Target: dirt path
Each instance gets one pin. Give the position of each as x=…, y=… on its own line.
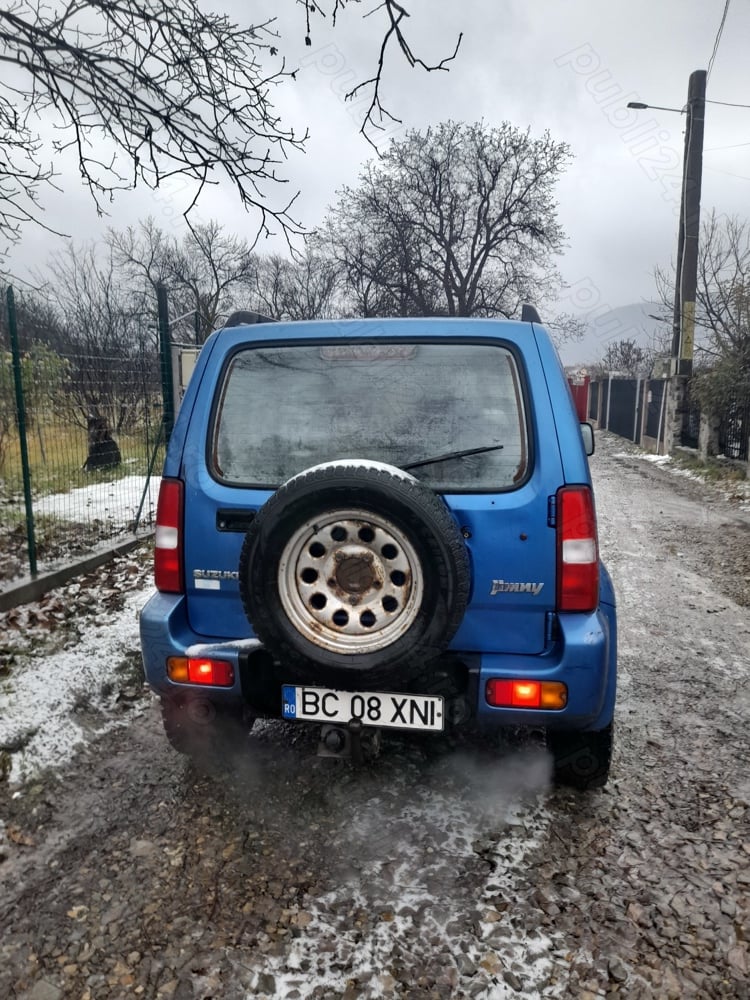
x=435, y=872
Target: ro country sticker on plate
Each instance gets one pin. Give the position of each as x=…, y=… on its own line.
x=370, y=708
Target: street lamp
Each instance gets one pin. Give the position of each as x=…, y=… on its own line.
x=639, y=106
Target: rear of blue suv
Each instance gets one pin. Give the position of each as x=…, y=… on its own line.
x=382, y=524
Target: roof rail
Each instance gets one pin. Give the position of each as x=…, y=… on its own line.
x=243, y=316
x=529, y=314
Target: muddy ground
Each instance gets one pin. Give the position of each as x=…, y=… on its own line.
x=435, y=870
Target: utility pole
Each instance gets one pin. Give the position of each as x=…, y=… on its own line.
x=686, y=271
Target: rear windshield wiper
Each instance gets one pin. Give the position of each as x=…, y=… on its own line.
x=452, y=454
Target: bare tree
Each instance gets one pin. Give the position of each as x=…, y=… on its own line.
x=142, y=92
x=43, y=371
x=303, y=288
x=722, y=320
x=37, y=322
x=626, y=357
x=459, y=221
x=109, y=339
x=206, y=273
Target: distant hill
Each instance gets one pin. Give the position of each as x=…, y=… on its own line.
x=631, y=322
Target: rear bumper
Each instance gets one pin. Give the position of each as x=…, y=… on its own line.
x=584, y=657
x=165, y=632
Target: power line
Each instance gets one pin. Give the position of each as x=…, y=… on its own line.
x=728, y=104
x=736, y=145
x=740, y=177
x=718, y=38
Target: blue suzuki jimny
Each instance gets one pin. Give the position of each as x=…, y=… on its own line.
x=382, y=524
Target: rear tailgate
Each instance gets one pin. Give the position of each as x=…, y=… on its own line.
x=508, y=534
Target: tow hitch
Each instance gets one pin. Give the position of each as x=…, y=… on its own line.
x=349, y=742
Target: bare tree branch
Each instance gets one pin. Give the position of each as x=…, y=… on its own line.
x=141, y=93
x=376, y=113
x=377, y=116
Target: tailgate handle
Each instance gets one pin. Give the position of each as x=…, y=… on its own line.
x=234, y=520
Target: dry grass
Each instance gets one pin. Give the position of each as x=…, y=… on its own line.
x=57, y=454
x=713, y=469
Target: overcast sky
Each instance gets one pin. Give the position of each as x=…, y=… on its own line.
x=569, y=66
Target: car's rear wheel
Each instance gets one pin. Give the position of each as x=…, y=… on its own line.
x=354, y=574
x=581, y=759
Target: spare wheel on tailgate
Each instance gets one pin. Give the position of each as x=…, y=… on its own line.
x=354, y=574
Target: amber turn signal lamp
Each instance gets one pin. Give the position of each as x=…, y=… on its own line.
x=200, y=670
x=510, y=693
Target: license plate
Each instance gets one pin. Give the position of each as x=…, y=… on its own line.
x=371, y=708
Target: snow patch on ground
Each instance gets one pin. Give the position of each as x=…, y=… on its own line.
x=115, y=502
x=663, y=461
x=740, y=488
x=676, y=470
x=66, y=697
x=645, y=457
x=739, y=493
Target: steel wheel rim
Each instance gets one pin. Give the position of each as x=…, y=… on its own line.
x=350, y=581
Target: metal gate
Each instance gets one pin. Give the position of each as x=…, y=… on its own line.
x=624, y=409
x=603, y=414
x=734, y=431
x=654, y=409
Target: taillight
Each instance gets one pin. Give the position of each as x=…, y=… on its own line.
x=200, y=670
x=577, y=550
x=168, y=569
x=520, y=693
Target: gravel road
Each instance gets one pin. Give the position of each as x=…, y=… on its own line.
x=434, y=871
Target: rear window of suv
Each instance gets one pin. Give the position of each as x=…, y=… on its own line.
x=284, y=408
